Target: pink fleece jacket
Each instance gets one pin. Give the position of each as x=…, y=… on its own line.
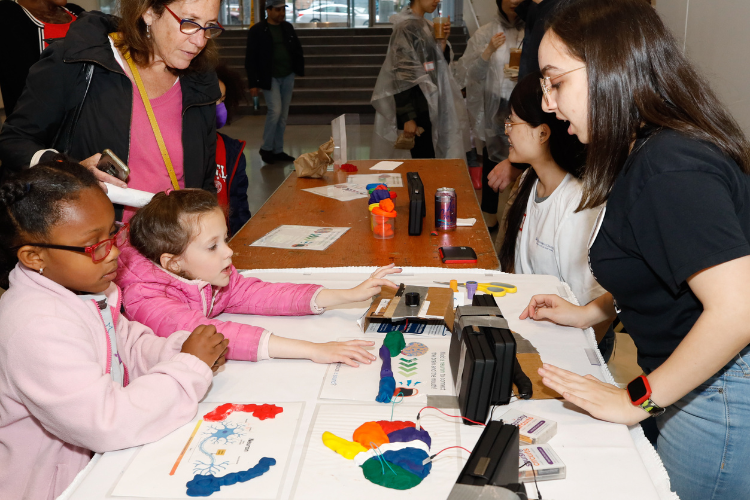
x=58, y=402
x=166, y=302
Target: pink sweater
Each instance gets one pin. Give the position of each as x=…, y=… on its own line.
x=166, y=303
x=147, y=169
x=58, y=401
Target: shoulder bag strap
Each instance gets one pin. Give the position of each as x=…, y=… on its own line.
x=152, y=119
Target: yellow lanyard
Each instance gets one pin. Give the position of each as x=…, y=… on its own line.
x=151, y=118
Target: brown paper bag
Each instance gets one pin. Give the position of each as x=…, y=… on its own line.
x=314, y=165
x=403, y=143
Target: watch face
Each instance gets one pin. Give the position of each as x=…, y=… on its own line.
x=637, y=389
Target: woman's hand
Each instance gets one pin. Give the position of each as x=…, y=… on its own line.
x=91, y=162
x=555, y=309
x=496, y=42
x=366, y=290
x=410, y=129
x=350, y=353
x=208, y=345
x=601, y=400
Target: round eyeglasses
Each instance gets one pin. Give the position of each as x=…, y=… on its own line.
x=98, y=251
x=546, y=83
x=189, y=27
x=509, y=125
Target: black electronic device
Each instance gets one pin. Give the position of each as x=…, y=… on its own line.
x=417, y=210
x=482, y=358
x=458, y=255
x=494, y=461
x=504, y=346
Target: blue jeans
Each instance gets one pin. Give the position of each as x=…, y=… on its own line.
x=704, y=438
x=277, y=102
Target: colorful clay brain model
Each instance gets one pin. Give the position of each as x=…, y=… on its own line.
x=390, y=453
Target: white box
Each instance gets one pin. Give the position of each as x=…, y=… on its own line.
x=533, y=429
x=546, y=464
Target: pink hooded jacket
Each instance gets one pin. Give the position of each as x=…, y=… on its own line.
x=166, y=302
x=58, y=401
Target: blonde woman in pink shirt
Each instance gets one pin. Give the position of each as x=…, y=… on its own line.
x=75, y=376
x=82, y=96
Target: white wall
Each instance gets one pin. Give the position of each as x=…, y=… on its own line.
x=715, y=36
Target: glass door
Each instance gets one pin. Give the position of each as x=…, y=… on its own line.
x=329, y=13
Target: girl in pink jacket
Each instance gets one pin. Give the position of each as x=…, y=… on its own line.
x=75, y=376
x=178, y=273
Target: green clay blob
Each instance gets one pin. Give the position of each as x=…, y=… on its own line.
x=395, y=342
x=397, y=479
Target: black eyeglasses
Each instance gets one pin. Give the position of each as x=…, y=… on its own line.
x=99, y=251
x=189, y=27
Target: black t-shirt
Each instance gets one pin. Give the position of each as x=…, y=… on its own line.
x=679, y=206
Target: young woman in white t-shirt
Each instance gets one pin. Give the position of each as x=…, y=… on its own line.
x=544, y=231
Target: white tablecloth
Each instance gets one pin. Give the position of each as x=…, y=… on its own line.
x=603, y=460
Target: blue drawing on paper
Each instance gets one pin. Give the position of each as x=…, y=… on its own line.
x=219, y=433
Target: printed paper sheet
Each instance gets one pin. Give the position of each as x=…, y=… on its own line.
x=341, y=192
x=420, y=370
x=390, y=179
x=301, y=237
x=233, y=444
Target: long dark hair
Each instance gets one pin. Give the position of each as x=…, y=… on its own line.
x=566, y=150
x=30, y=204
x=637, y=75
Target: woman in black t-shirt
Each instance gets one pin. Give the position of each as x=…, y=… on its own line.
x=672, y=247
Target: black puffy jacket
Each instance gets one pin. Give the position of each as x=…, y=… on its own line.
x=259, y=54
x=56, y=85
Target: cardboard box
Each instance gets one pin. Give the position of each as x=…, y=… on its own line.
x=435, y=307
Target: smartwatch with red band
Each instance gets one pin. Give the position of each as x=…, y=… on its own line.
x=639, y=391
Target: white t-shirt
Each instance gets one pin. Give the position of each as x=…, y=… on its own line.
x=554, y=239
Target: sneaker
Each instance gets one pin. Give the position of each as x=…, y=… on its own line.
x=283, y=157
x=267, y=156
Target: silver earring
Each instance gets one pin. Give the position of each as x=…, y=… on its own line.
x=41, y=270
x=148, y=30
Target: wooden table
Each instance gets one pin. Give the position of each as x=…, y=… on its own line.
x=358, y=247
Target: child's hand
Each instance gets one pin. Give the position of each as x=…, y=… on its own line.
x=342, y=352
x=366, y=290
x=208, y=345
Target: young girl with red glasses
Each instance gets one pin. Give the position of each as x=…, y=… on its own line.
x=76, y=376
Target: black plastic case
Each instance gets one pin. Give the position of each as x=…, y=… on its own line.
x=494, y=460
x=417, y=209
x=503, y=344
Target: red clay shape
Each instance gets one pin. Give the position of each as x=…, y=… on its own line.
x=261, y=412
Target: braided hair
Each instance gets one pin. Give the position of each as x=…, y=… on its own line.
x=30, y=204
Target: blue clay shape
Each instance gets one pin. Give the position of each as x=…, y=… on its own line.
x=385, y=355
x=385, y=391
x=410, y=434
x=206, y=485
x=410, y=459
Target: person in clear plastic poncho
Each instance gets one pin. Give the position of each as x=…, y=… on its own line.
x=488, y=85
x=415, y=88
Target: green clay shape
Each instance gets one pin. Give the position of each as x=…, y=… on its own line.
x=397, y=479
x=394, y=341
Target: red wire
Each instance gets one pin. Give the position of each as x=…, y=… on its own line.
x=448, y=448
x=447, y=415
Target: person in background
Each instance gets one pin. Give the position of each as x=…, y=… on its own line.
x=535, y=13
x=545, y=233
x=416, y=89
x=231, y=174
x=481, y=70
x=170, y=47
x=27, y=27
x=272, y=59
x=673, y=246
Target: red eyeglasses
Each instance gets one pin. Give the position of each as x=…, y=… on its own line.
x=189, y=27
x=99, y=251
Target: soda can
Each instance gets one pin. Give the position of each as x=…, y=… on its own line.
x=445, y=209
